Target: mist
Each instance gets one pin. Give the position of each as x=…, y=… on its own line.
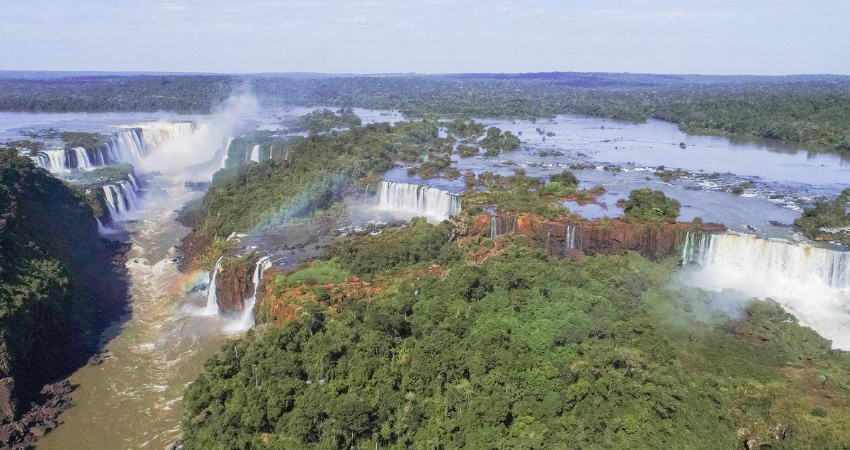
x=199, y=154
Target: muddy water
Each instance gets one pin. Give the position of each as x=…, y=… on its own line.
x=132, y=400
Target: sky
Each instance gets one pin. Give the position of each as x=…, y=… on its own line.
x=760, y=37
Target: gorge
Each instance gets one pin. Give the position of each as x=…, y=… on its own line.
x=179, y=320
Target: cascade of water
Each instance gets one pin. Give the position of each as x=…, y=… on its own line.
x=425, y=200
x=255, y=153
x=133, y=181
x=129, y=195
x=494, y=227
x=120, y=199
x=57, y=160
x=812, y=282
x=41, y=160
x=101, y=230
x=226, y=153
x=246, y=321
x=125, y=146
x=570, y=238
x=154, y=134
x=112, y=195
x=83, y=161
x=212, y=301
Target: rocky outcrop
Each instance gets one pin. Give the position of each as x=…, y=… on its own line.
x=234, y=284
x=571, y=237
x=38, y=420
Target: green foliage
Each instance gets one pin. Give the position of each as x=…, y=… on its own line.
x=565, y=178
x=521, y=194
x=466, y=151
x=420, y=242
x=806, y=109
x=518, y=352
x=102, y=175
x=180, y=93
x=52, y=276
x=87, y=141
x=827, y=219
x=304, y=175
x=651, y=205
x=325, y=120
x=495, y=141
x=432, y=167
x=31, y=148
x=320, y=272
x=466, y=129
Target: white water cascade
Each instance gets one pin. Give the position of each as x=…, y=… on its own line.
x=570, y=237
x=246, y=320
x=212, y=301
x=82, y=156
x=120, y=199
x=226, y=153
x=128, y=146
x=53, y=160
x=812, y=283
x=421, y=200
x=255, y=153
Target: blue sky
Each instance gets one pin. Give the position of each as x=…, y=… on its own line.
x=770, y=37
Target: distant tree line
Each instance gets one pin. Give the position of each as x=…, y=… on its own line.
x=813, y=110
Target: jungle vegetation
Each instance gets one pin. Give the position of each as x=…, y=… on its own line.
x=400, y=341
x=827, y=220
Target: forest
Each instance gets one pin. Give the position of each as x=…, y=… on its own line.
x=812, y=110
x=402, y=340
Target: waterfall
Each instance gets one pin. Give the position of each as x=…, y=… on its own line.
x=121, y=198
x=114, y=203
x=812, y=283
x=128, y=146
x=82, y=156
x=422, y=200
x=246, y=321
x=57, y=160
x=212, y=302
x=693, y=248
x=125, y=146
x=255, y=153
x=226, y=153
x=154, y=134
x=133, y=181
x=570, y=237
x=498, y=228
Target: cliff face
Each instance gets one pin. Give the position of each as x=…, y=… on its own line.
x=234, y=284
x=609, y=237
x=563, y=238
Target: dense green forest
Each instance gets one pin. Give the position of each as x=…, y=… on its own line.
x=402, y=341
x=57, y=281
x=813, y=110
x=185, y=94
